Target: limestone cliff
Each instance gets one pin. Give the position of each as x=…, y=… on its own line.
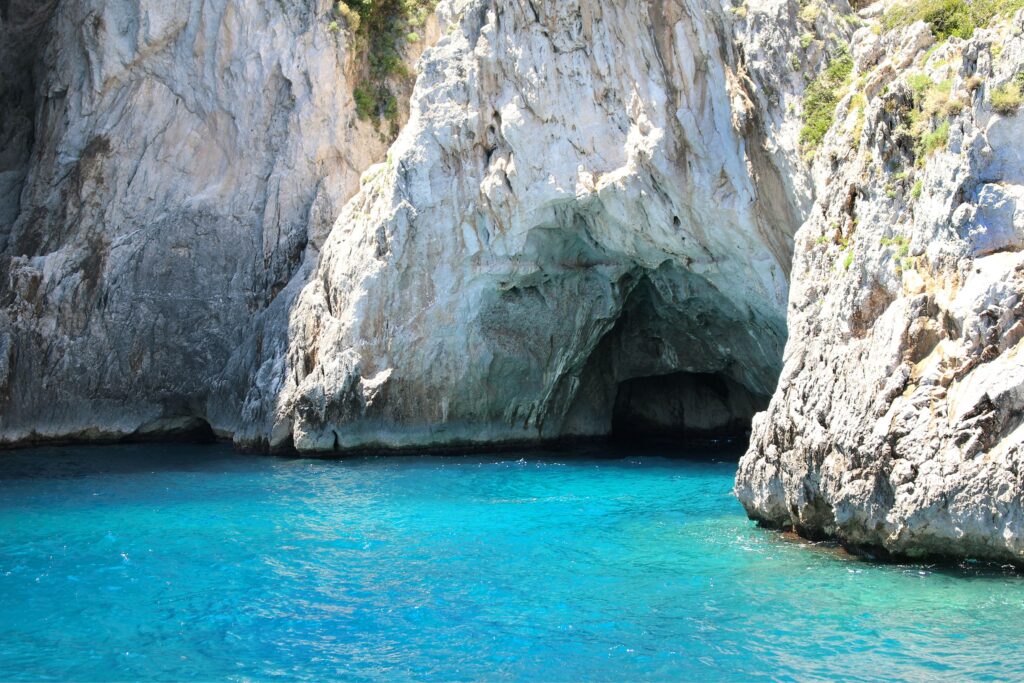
x=587, y=221
x=897, y=423
x=588, y=196
x=166, y=170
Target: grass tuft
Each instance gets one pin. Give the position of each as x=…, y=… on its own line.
x=935, y=140
x=949, y=18
x=1006, y=99
x=820, y=101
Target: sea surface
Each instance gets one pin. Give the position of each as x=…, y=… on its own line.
x=157, y=562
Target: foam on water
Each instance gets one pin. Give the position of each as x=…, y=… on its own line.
x=194, y=563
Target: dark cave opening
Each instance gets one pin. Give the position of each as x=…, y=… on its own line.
x=185, y=429
x=680, y=360
x=684, y=404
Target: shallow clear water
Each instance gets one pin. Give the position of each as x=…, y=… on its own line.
x=191, y=562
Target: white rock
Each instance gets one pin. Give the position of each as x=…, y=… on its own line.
x=912, y=386
x=155, y=219
x=577, y=203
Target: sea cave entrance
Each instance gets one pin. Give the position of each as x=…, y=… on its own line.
x=684, y=404
x=680, y=360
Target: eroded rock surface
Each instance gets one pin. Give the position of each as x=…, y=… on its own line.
x=589, y=200
x=166, y=170
x=586, y=194
x=897, y=424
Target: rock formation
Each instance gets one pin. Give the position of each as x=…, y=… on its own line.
x=587, y=195
x=166, y=169
x=897, y=423
x=586, y=225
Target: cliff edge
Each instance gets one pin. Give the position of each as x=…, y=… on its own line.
x=897, y=423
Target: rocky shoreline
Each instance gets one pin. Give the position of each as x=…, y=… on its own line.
x=584, y=217
x=896, y=424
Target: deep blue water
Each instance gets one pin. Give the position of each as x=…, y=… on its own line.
x=192, y=562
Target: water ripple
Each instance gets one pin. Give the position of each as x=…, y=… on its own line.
x=193, y=563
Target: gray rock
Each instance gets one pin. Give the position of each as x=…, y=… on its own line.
x=897, y=423
x=578, y=204
x=166, y=170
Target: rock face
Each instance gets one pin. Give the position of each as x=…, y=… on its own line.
x=588, y=196
x=586, y=226
x=166, y=169
x=897, y=424
x=586, y=223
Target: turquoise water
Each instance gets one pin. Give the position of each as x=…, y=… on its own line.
x=189, y=562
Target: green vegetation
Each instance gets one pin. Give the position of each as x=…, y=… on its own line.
x=848, y=260
x=853, y=21
x=928, y=118
x=919, y=84
x=859, y=104
x=366, y=102
x=380, y=29
x=938, y=99
x=901, y=259
x=918, y=188
x=933, y=141
x=1006, y=99
x=820, y=101
x=810, y=12
x=949, y=17
x=902, y=244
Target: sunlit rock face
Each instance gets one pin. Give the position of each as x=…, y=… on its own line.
x=588, y=196
x=166, y=168
x=585, y=226
x=897, y=423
